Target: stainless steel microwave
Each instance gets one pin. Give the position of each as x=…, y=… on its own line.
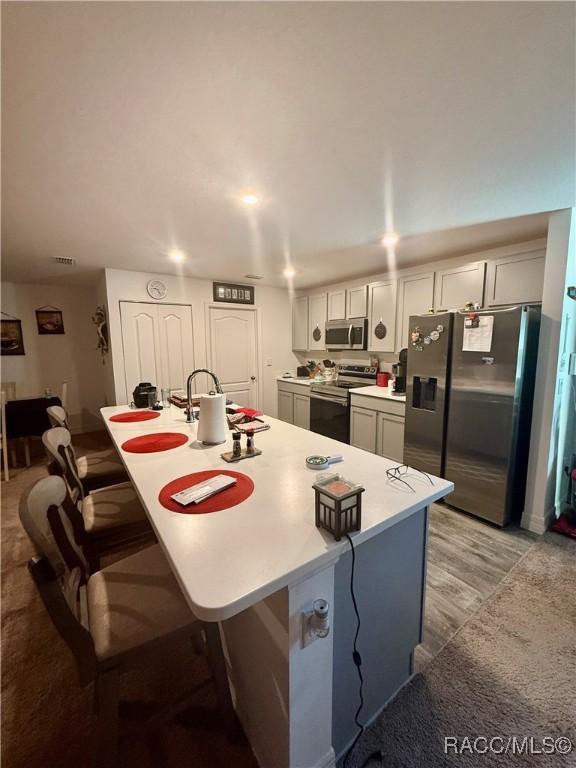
x=347, y=334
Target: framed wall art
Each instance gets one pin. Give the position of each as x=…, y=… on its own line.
x=49, y=321
x=12, y=341
x=232, y=293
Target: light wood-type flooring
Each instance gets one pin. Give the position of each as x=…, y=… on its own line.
x=467, y=559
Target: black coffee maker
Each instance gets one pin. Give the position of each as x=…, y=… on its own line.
x=399, y=371
x=145, y=395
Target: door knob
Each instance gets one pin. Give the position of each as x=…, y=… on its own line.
x=252, y=378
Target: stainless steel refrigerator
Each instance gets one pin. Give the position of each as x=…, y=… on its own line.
x=469, y=394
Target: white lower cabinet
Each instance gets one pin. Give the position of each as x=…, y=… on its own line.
x=301, y=411
x=286, y=406
x=377, y=425
x=390, y=437
x=363, y=427
x=294, y=404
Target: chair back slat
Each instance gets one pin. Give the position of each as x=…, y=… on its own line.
x=60, y=569
x=58, y=444
x=45, y=513
x=71, y=629
x=57, y=416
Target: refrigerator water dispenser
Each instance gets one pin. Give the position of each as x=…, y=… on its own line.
x=424, y=393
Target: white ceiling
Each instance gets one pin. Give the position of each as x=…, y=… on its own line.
x=130, y=129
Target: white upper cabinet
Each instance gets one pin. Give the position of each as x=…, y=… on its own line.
x=317, y=306
x=382, y=316
x=337, y=305
x=415, y=297
x=356, y=301
x=456, y=286
x=300, y=323
x=515, y=279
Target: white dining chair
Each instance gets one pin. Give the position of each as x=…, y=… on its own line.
x=126, y=614
x=4, y=438
x=104, y=520
x=57, y=416
x=9, y=388
x=97, y=469
x=64, y=395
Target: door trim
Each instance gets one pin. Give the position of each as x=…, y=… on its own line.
x=208, y=305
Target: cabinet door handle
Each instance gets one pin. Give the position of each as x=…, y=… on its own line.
x=252, y=378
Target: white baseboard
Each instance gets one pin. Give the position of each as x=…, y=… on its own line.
x=539, y=523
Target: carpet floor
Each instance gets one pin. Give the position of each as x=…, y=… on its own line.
x=509, y=671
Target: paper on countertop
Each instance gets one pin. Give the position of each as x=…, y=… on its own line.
x=479, y=339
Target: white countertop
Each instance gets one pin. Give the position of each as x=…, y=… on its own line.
x=295, y=380
x=226, y=561
x=382, y=392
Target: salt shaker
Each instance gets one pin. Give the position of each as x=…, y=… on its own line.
x=250, y=442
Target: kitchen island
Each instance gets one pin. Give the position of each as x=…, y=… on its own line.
x=256, y=568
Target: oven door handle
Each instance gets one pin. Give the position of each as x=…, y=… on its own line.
x=335, y=400
x=350, y=335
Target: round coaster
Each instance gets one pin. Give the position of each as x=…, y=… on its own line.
x=159, y=441
x=135, y=416
x=230, y=497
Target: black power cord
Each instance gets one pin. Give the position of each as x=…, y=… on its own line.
x=357, y=659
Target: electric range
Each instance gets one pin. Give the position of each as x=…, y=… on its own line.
x=330, y=401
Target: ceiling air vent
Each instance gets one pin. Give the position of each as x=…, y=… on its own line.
x=254, y=277
x=64, y=260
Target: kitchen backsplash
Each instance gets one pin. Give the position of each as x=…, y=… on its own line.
x=386, y=360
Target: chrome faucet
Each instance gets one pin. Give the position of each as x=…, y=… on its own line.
x=189, y=409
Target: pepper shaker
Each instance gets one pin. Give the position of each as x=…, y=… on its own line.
x=250, y=442
x=236, y=445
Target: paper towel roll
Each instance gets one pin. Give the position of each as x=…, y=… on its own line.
x=212, y=427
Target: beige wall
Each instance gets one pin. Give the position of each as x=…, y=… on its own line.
x=275, y=323
x=50, y=360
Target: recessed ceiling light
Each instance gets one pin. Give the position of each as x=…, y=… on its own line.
x=177, y=255
x=254, y=277
x=390, y=239
x=249, y=199
x=289, y=272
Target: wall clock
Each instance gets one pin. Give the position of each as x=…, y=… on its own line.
x=156, y=289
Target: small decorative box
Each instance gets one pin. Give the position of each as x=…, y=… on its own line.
x=338, y=505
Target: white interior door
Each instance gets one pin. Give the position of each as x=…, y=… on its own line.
x=176, y=345
x=158, y=345
x=141, y=342
x=233, y=353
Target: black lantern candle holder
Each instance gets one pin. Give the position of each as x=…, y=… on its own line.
x=338, y=505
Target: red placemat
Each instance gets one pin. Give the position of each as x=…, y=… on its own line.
x=159, y=441
x=228, y=498
x=135, y=416
x=251, y=412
